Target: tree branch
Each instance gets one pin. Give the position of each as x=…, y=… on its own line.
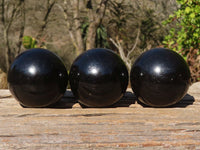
x=75, y=26
x=73, y=40
x=127, y=60
x=78, y=33
x=136, y=42
x=23, y=20
x=119, y=47
x=95, y=20
x=7, y=26
x=3, y=12
x=45, y=20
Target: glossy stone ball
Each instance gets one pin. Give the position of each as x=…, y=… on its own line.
x=160, y=77
x=37, y=78
x=98, y=78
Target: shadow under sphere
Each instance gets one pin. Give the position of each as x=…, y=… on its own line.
x=98, y=78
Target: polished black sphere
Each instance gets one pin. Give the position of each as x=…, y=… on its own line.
x=98, y=78
x=37, y=78
x=160, y=77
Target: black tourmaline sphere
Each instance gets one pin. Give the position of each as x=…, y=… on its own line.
x=98, y=78
x=37, y=78
x=160, y=77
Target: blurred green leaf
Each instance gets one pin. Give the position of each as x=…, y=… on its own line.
x=29, y=42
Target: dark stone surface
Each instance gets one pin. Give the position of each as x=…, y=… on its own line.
x=98, y=78
x=37, y=78
x=160, y=77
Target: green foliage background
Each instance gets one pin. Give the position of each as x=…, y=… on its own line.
x=185, y=38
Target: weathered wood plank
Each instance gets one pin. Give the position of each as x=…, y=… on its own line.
x=126, y=125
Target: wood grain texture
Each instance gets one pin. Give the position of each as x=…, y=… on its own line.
x=125, y=125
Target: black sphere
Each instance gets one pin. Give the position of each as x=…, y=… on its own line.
x=37, y=78
x=160, y=77
x=98, y=78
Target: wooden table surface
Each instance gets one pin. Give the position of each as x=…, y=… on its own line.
x=126, y=125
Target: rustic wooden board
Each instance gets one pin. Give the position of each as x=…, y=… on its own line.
x=126, y=125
